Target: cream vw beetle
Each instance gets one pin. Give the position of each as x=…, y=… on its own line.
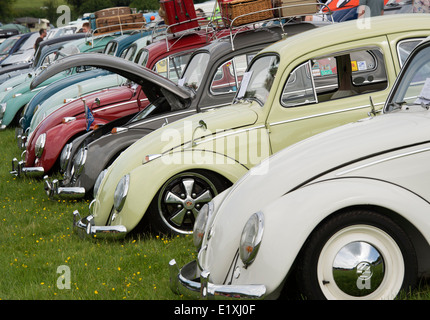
x=295, y=88
x=344, y=214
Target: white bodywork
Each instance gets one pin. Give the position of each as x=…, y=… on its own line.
x=346, y=167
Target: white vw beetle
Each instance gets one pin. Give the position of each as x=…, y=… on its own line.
x=342, y=215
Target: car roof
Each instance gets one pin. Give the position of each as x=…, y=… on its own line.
x=345, y=32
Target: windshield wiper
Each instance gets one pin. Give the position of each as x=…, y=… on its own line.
x=254, y=99
x=395, y=106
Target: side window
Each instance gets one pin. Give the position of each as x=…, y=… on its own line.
x=142, y=57
x=405, y=47
x=229, y=75
x=337, y=76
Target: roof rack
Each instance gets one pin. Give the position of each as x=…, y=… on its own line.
x=282, y=20
x=214, y=25
x=123, y=28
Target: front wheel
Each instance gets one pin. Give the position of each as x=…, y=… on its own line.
x=178, y=202
x=357, y=255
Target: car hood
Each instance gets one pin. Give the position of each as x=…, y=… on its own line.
x=153, y=84
x=174, y=136
x=323, y=154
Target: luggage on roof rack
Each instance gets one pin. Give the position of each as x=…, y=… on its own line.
x=249, y=10
x=179, y=15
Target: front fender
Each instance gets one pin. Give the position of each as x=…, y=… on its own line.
x=291, y=219
x=14, y=105
x=56, y=139
x=146, y=181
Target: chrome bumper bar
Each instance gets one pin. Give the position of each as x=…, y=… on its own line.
x=86, y=228
x=19, y=169
x=55, y=190
x=190, y=282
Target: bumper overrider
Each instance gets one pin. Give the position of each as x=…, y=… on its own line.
x=193, y=283
x=19, y=169
x=56, y=189
x=86, y=228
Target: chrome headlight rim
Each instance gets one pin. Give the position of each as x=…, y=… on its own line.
x=65, y=156
x=121, y=192
x=251, y=237
x=98, y=182
x=40, y=145
x=201, y=223
x=79, y=161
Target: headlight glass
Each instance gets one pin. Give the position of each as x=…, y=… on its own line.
x=40, y=145
x=200, y=224
x=251, y=237
x=65, y=156
x=79, y=161
x=99, y=181
x=2, y=108
x=121, y=192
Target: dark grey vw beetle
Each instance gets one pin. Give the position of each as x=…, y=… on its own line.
x=213, y=73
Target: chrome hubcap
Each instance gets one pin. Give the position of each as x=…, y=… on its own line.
x=358, y=269
x=182, y=200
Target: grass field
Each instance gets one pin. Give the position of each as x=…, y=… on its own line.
x=37, y=245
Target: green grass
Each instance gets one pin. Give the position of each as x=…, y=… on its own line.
x=36, y=239
x=32, y=4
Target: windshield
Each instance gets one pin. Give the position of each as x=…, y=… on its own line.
x=29, y=43
x=67, y=51
x=258, y=80
x=159, y=106
x=193, y=75
x=414, y=85
x=7, y=45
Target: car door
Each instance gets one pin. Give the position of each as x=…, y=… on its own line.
x=328, y=88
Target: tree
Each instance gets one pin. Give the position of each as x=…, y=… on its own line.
x=85, y=6
x=6, y=12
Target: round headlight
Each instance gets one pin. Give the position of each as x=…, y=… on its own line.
x=251, y=238
x=200, y=224
x=40, y=145
x=79, y=161
x=98, y=182
x=65, y=156
x=2, y=108
x=121, y=192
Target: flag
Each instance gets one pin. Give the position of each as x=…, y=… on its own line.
x=89, y=118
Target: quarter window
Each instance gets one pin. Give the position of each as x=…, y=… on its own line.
x=405, y=47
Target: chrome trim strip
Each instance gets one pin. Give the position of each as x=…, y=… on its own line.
x=218, y=135
x=383, y=160
x=324, y=114
x=115, y=105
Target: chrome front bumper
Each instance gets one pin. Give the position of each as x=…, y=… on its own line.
x=19, y=169
x=86, y=228
x=190, y=282
x=56, y=190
